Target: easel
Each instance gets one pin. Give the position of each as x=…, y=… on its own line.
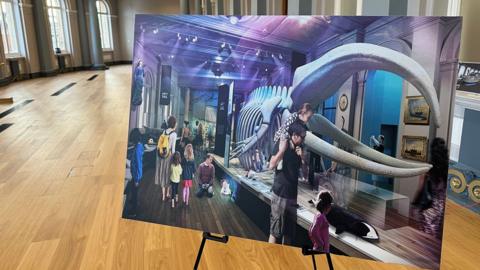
x=310, y=251
x=208, y=236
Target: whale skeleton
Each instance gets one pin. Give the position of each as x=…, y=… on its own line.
x=317, y=81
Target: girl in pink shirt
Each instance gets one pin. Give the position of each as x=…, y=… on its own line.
x=318, y=231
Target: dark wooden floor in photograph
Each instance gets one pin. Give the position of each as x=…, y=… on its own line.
x=62, y=169
x=218, y=214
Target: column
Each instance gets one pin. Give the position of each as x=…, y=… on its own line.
x=95, y=40
x=198, y=7
x=82, y=27
x=184, y=7
x=44, y=42
x=186, y=104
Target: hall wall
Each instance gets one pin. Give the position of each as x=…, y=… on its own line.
x=29, y=58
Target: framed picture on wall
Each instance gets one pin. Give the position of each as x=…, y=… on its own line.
x=415, y=147
x=417, y=111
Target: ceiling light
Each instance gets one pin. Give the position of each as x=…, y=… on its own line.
x=234, y=20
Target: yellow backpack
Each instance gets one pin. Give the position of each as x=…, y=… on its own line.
x=163, y=145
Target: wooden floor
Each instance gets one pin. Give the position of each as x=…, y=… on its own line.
x=218, y=214
x=61, y=187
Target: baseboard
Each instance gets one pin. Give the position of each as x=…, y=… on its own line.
x=6, y=81
x=115, y=63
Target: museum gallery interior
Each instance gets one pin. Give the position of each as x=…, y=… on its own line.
x=239, y=134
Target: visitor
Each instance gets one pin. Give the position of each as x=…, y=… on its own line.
x=283, y=217
x=188, y=166
x=318, y=231
x=430, y=199
x=138, y=77
x=185, y=138
x=136, y=169
x=162, y=168
x=175, y=173
x=257, y=162
x=205, y=175
x=378, y=145
x=198, y=142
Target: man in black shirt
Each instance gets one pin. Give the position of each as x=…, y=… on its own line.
x=283, y=217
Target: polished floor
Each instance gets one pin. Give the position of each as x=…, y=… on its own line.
x=218, y=214
x=61, y=190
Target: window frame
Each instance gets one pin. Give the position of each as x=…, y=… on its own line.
x=65, y=25
x=16, y=32
x=107, y=15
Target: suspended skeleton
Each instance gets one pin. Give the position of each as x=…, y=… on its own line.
x=268, y=107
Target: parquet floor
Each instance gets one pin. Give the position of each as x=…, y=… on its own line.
x=61, y=190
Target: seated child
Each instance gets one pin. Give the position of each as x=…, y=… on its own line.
x=225, y=188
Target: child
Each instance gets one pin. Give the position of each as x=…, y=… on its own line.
x=318, y=232
x=225, y=188
x=281, y=136
x=175, y=173
x=188, y=166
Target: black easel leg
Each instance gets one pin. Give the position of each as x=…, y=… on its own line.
x=313, y=261
x=200, y=251
x=329, y=260
x=208, y=236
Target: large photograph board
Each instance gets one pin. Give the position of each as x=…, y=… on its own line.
x=293, y=130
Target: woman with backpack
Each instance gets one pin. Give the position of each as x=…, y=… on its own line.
x=165, y=150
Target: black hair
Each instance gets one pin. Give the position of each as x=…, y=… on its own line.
x=186, y=122
x=135, y=136
x=207, y=156
x=306, y=107
x=297, y=129
x=325, y=200
x=439, y=159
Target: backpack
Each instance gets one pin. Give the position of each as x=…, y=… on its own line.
x=163, y=145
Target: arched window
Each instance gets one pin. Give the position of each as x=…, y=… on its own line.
x=57, y=16
x=9, y=28
x=105, y=24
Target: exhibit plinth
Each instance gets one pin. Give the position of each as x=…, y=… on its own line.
x=393, y=228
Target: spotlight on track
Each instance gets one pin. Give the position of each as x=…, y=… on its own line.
x=234, y=19
x=225, y=48
x=194, y=39
x=179, y=36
